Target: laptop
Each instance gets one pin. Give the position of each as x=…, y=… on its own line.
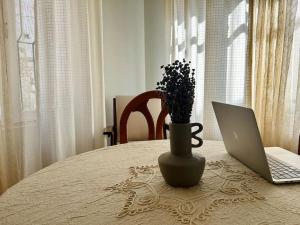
x=242, y=141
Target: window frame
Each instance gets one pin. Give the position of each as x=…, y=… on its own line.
x=13, y=71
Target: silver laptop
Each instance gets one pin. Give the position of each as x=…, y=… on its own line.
x=242, y=140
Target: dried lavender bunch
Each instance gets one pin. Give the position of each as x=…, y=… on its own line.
x=178, y=85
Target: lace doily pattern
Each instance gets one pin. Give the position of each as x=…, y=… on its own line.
x=222, y=184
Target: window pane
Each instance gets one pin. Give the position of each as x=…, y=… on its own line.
x=25, y=35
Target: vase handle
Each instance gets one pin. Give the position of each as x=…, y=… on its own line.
x=194, y=133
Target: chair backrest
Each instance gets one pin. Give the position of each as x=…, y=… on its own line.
x=137, y=128
x=139, y=104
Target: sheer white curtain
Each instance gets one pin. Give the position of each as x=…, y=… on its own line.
x=213, y=36
x=70, y=77
x=67, y=114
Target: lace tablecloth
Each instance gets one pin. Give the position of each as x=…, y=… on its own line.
x=122, y=185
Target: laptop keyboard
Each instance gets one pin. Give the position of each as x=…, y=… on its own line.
x=281, y=170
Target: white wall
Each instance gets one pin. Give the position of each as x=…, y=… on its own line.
x=124, y=50
x=155, y=41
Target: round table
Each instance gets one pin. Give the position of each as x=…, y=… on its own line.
x=122, y=184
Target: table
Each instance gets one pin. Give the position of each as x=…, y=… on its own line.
x=122, y=185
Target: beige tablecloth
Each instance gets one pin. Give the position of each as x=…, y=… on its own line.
x=123, y=185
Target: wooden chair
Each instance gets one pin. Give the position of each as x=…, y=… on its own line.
x=137, y=125
x=139, y=104
x=299, y=146
x=111, y=131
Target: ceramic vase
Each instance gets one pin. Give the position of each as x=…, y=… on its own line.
x=180, y=167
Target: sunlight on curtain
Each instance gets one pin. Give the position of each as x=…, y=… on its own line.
x=236, y=52
x=290, y=121
x=213, y=36
x=275, y=71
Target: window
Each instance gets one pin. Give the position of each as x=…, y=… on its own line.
x=25, y=40
x=20, y=58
